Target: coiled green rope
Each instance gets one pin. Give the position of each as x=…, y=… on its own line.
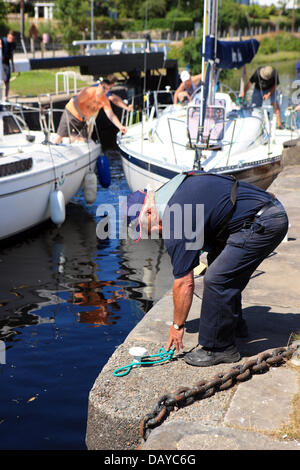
x=162, y=354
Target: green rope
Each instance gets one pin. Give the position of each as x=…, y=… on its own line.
x=162, y=354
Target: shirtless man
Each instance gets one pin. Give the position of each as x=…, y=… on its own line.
x=81, y=108
x=115, y=99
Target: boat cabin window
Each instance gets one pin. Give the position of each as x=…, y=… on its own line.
x=10, y=126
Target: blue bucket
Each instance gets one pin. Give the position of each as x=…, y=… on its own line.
x=103, y=171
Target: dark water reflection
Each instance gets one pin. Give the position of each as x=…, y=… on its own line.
x=67, y=300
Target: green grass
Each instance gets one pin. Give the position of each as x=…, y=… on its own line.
x=281, y=56
x=37, y=82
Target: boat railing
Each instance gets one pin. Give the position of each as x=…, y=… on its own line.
x=147, y=106
x=18, y=111
x=203, y=139
x=123, y=46
x=46, y=112
x=45, y=118
x=157, y=95
x=221, y=87
x=173, y=142
x=48, y=124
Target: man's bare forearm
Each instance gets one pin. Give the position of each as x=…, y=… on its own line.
x=183, y=289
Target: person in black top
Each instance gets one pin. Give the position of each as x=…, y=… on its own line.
x=265, y=80
x=8, y=45
x=238, y=224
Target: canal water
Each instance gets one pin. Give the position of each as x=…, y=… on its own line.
x=67, y=300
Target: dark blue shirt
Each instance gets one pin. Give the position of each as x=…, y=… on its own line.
x=213, y=192
x=7, y=50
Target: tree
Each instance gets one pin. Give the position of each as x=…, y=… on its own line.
x=128, y=8
x=3, y=12
x=191, y=52
x=153, y=9
x=73, y=18
x=232, y=15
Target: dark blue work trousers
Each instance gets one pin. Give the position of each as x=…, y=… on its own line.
x=229, y=273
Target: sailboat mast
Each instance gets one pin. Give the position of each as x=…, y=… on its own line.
x=208, y=73
x=212, y=32
x=203, y=71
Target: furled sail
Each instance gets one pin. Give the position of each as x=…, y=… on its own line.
x=230, y=54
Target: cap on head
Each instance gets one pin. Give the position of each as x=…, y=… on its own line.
x=266, y=72
x=135, y=208
x=142, y=215
x=184, y=76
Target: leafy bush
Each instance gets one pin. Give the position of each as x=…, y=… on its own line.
x=72, y=20
x=279, y=42
x=191, y=52
x=175, y=13
x=232, y=15
x=257, y=11
x=4, y=9
x=153, y=9
x=181, y=24
x=103, y=25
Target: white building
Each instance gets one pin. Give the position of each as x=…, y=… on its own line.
x=41, y=9
x=46, y=8
x=289, y=4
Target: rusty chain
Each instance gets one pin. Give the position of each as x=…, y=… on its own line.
x=204, y=389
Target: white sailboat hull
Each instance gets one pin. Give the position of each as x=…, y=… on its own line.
x=154, y=151
x=24, y=195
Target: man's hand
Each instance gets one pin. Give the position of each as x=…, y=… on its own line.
x=123, y=129
x=175, y=338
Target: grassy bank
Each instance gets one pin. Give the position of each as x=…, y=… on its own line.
x=37, y=82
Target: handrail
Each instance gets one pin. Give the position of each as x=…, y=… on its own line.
x=46, y=126
x=121, y=45
x=127, y=116
x=173, y=141
x=235, y=93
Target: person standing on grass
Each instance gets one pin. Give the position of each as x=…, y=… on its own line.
x=8, y=46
